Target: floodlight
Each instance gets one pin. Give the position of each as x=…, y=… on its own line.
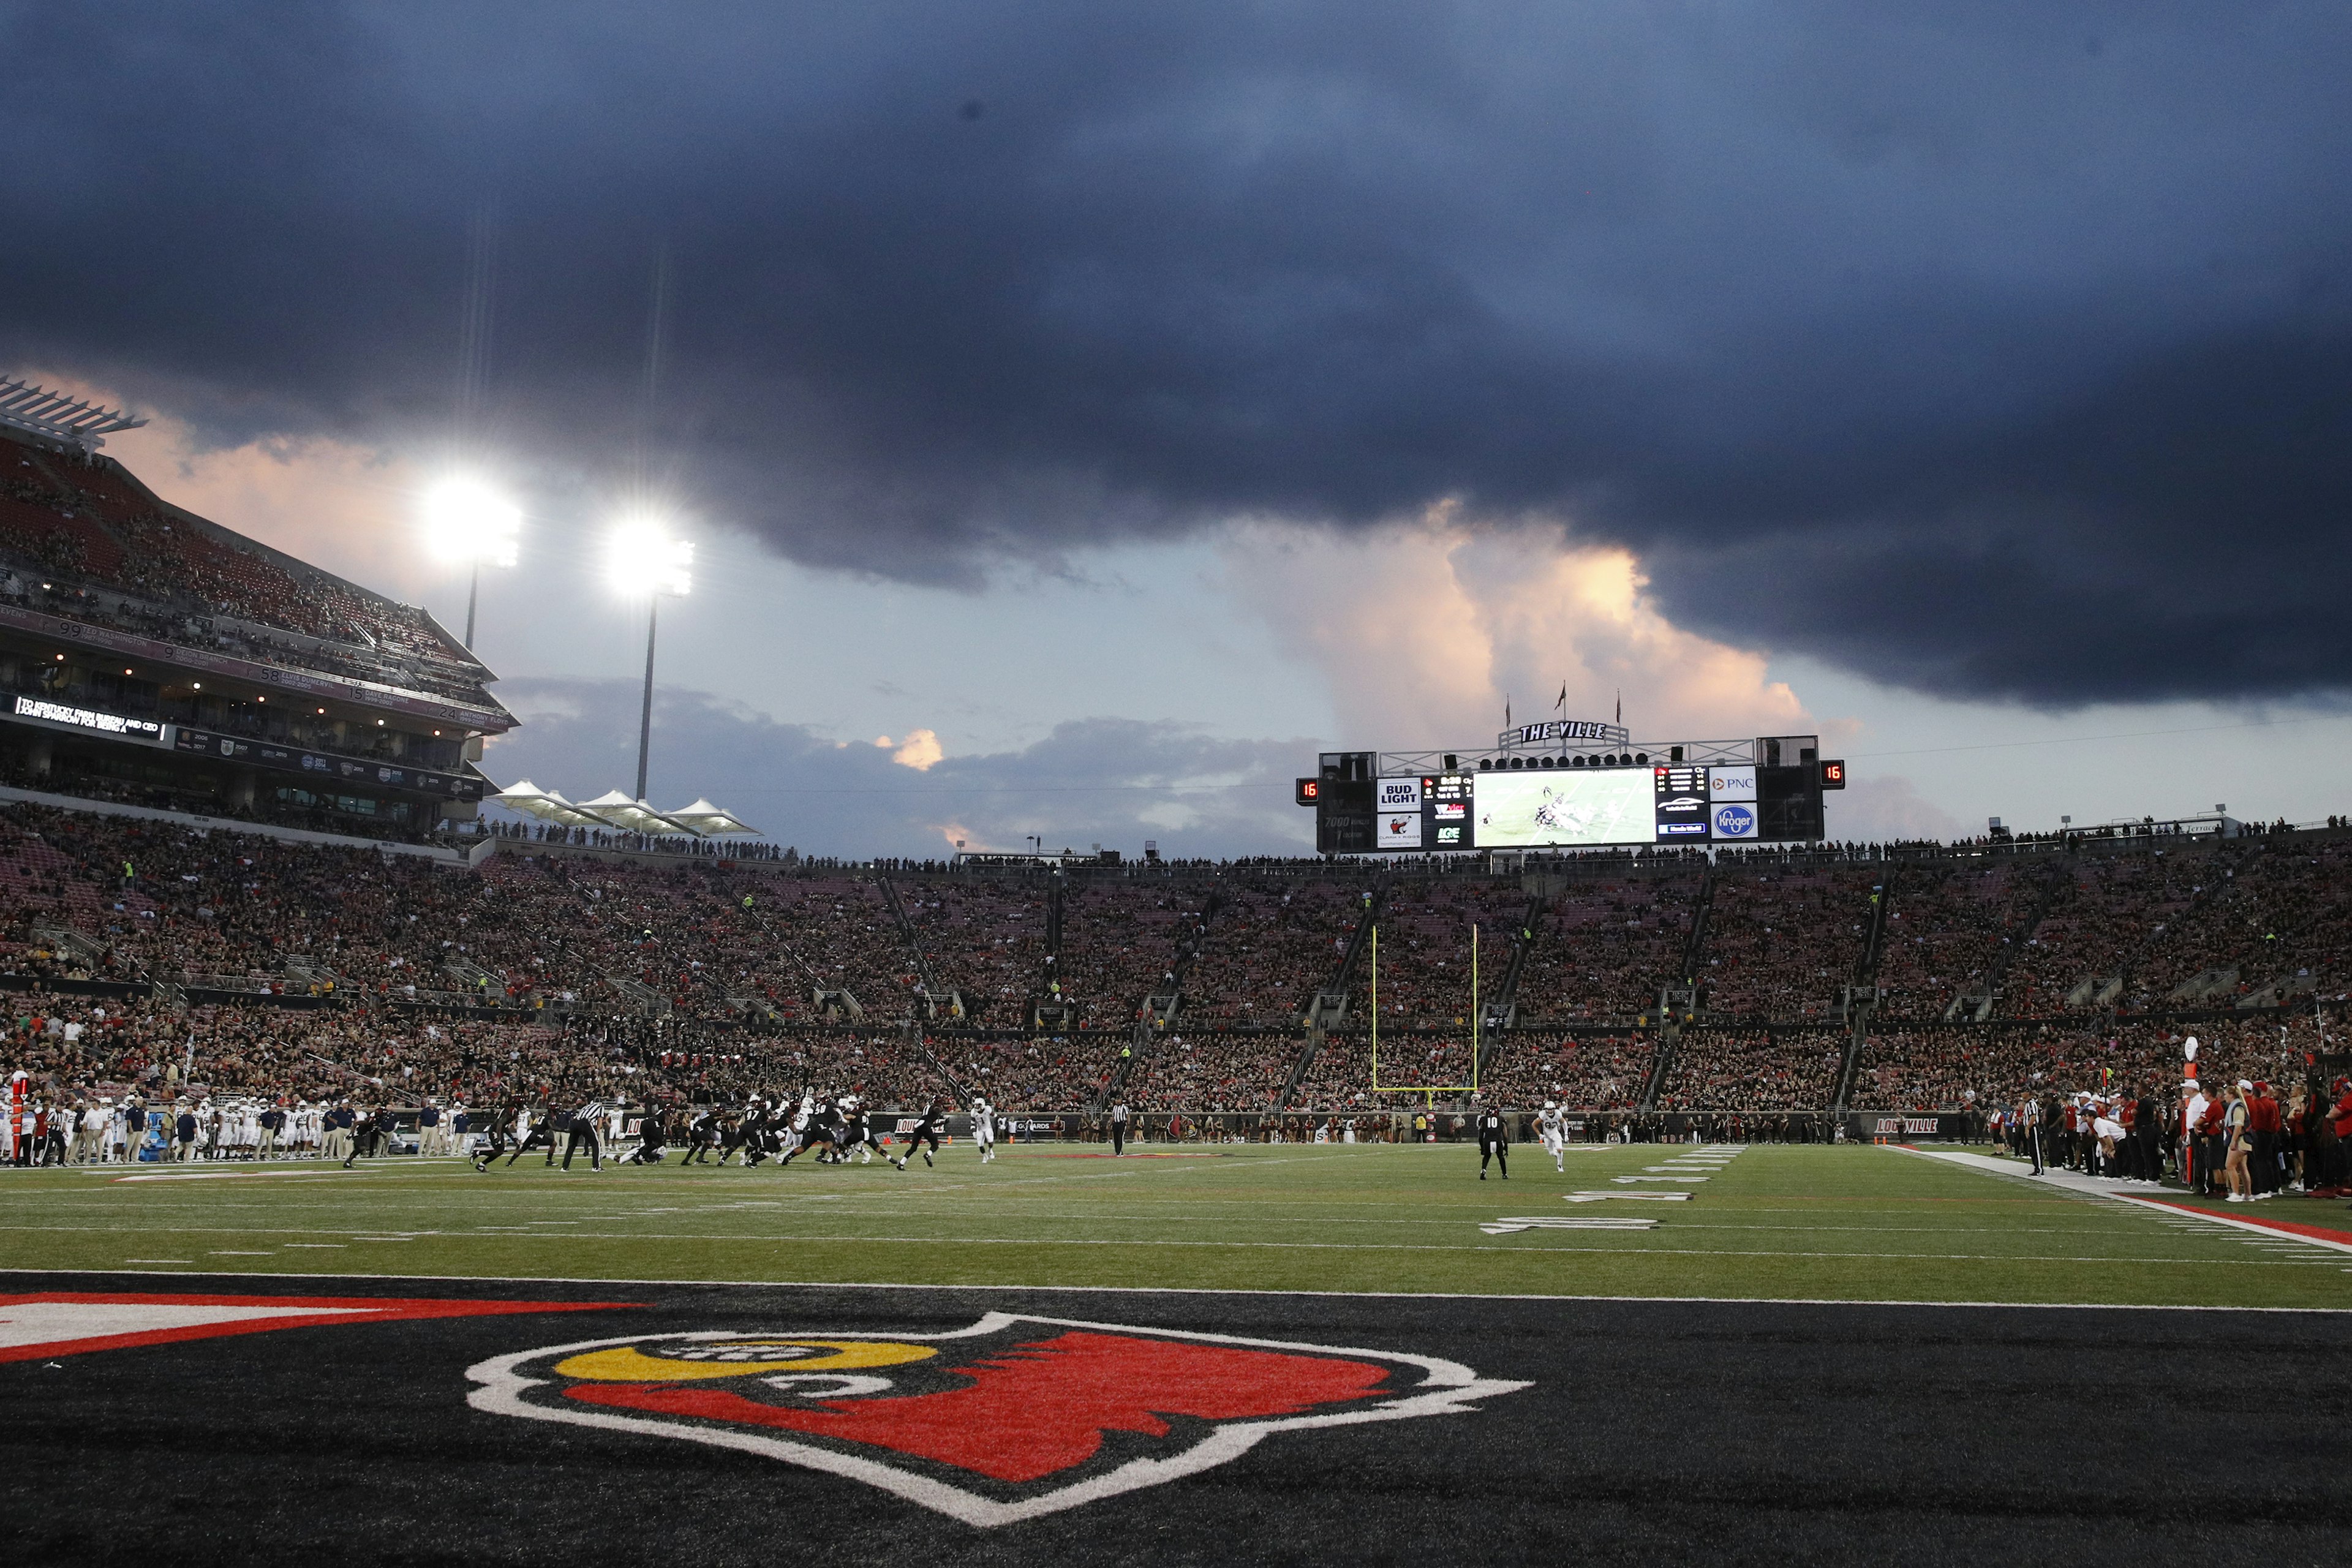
x=643, y=557
x=468, y=521
x=644, y=560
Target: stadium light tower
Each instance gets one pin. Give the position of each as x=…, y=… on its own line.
x=467, y=521
x=644, y=559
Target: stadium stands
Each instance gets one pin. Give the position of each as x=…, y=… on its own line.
x=1270, y=945
x=1781, y=944
x=1425, y=950
x=1609, y=952
x=246, y=964
x=130, y=562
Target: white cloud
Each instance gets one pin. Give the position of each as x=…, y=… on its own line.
x=919, y=750
x=1423, y=628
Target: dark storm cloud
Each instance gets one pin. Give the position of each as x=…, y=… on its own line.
x=2005, y=353
x=1113, y=782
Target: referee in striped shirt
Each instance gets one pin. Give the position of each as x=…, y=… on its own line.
x=584, y=1123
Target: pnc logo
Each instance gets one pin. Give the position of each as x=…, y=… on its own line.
x=1009, y=1419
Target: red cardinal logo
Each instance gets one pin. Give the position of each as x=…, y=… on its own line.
x=1010, y=1418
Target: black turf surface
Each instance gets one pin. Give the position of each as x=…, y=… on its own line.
x=1744, y=1432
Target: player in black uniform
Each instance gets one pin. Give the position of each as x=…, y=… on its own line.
x=754, y=1134
x=651, y=1138
x=1493, y=1143
x=857, y=1134
x=730, y=1136
x=542, y=1136
x=494, y=1142
x=927, y=1129
x=362, y=1138
x=702, y=1134
x=821, y=1128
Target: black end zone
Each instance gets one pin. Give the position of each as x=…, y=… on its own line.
x=1745, y=1432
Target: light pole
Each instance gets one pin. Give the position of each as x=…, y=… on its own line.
x=467, y=521
x=644, y=559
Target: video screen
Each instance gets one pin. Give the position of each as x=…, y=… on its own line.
x=1528, y=810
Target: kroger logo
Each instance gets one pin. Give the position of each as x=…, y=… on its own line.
x=1733, y=821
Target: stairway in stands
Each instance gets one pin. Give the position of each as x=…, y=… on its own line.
x=1670, y=1018
x=1329, y=1009
x=934, y=999
x=1499, y=1009
x=1164, y=1006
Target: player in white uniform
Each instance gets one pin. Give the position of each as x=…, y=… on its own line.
x=983, y=1128
x=1552, y=1127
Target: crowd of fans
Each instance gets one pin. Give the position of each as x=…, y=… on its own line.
x=1610, y=951
x=1941, y=1069
x=1949, y=931
x=1591, y=1071
x=1754, y=1070
x=2223, y=924
x=986, y=943
x=1211, y=1072
x=1269, y=945
x=1425, y=938
x=1783, y=943
x=265, y=965
x=1120, y=945
x=613, y=839
x=79, y=540
x=1412, y=1067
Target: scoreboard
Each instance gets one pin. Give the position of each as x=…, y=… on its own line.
x=1499, y=806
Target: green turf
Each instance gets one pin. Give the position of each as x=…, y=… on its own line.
x=1858, y=1223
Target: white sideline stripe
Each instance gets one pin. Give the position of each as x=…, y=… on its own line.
x=2282, y=1238
x=2067, y=1181
x=1509, y=1225
x=1684, y=1179
x=1207, y=1291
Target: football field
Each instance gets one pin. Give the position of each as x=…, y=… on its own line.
x=1854, y=1354
x=1794, y=1223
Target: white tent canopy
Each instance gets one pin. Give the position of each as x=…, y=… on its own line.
x=533, y=800
x=614, y=809
x=618, y=810
x=706, y=818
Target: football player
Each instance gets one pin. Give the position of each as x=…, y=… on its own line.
x=983, y=1128
x=817, y=1127
x=926, y=1129
x=1493, y=1143
x=1553, y=1127
x=857, y=1133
